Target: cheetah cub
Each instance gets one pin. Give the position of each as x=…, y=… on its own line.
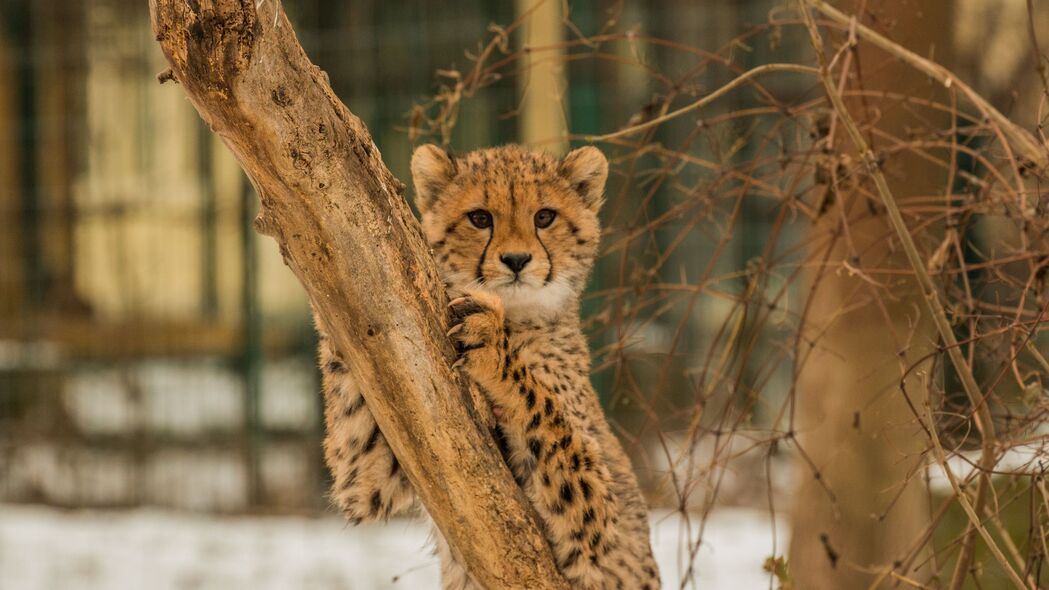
x=515, y=233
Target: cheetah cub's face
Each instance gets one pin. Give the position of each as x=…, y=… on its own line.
x=521, y=224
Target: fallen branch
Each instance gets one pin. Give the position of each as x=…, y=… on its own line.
x=343, y=227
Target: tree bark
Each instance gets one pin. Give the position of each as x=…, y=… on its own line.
x=343, y=227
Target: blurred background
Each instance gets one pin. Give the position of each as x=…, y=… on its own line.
x=160, y=414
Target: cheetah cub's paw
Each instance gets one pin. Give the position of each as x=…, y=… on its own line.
x=478, y=333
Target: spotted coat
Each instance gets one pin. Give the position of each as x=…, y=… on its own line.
x=515, y=233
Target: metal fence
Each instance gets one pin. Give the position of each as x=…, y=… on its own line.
x=153, y=349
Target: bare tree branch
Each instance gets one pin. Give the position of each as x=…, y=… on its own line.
x=1012, y=134
x=343, y=227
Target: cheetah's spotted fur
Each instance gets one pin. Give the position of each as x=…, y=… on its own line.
x=516, y=275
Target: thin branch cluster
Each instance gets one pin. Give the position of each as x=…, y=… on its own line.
x=743, y=183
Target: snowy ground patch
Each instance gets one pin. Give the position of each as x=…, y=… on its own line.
x=43, y=549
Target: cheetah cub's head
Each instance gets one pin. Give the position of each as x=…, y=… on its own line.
x=521, y=224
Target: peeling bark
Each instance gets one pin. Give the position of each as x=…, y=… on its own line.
x=343, y=227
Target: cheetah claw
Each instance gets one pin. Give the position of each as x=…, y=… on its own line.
x=462, y=307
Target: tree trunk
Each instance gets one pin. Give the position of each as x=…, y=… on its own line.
x=542, y=77
x=344, y=228
x=853, y=421
x=12, y=277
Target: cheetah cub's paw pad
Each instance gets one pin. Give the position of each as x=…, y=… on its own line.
x=477, y=325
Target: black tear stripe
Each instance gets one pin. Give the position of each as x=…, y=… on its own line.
x=480, y=263
x=513, y=198
x=491, y=232
x=550, y=259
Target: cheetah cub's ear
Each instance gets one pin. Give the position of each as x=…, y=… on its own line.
x=587, y=170
x=432, y=170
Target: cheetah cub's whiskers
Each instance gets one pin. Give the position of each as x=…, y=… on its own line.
x=515, y=233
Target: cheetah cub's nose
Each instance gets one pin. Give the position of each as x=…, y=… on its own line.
x=516, y=261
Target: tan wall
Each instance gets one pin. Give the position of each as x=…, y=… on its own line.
x=139, y=239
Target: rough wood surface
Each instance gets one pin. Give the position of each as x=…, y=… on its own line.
x=344, y=228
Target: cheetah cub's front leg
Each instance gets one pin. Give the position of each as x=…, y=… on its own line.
x=478, y=331
x=559, y=464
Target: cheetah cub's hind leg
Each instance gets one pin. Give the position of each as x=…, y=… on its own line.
x=368, y=483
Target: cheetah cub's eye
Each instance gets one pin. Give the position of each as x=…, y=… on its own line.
x=480, y=218
x=544, y=217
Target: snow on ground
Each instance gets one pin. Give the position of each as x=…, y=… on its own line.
x=45, y=549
